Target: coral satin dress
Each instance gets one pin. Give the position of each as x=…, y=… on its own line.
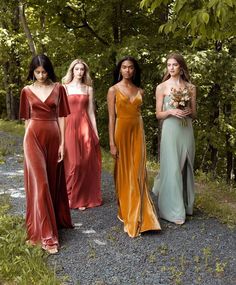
x=82, y=156
x=135, y=207
x=46, y=197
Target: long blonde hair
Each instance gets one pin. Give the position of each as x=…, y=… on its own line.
x=69, y=75
x=183, y=66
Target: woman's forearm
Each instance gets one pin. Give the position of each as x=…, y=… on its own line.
x=61, y=122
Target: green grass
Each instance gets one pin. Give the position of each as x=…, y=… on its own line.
x=19, y=262
x=107, y=161
x=12, y=127
x=7, y=143
x=6, y=147
x=216, y=199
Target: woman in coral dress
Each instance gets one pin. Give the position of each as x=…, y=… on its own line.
x=174, y=185
x=43, y=106
x=82, y=149
x=127, y=146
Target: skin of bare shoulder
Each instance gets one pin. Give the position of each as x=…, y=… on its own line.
x=161, y=88
x=191, y=87
x=141, y=92
x=112, y=88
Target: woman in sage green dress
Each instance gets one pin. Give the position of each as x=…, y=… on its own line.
x=176, y=106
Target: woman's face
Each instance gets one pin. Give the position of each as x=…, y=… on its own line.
x=78, y=71
x=40, y=74
x=173, y=67
x=127, y=69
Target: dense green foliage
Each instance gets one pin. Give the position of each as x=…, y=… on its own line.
x=101, y=32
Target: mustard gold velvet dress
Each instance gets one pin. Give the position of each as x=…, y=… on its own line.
x=135, y=207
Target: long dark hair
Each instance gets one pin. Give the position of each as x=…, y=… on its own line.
x=136, y=79
x=44, y=61
x=183, y=67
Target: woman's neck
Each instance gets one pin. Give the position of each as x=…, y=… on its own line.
x=76, y=82
x=127, y=82
x=42, y=84
x=176, y=80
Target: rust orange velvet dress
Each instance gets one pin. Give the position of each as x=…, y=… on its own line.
x=47, y=206
x=82, y=156
x=135, y=207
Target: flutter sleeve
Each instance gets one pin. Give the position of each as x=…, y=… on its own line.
x=24, y=111
x=63, y=107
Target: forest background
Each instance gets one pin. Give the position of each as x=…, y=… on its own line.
x=101, y=32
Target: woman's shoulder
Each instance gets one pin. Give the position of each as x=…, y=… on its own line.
x=26, y=87
x=162, y=86
x=60, y=86
x=113, y=88
x=191, y=87
x=141, y=91
x=89, y=88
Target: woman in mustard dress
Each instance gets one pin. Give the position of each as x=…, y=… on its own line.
x=127, y=146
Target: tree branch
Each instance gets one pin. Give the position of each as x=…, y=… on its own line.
x=84, y=25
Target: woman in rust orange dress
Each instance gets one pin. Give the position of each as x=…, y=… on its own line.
x=43, y=106
x=127, y=146
x=82, y=149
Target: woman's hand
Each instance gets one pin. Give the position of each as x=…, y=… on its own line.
x=180, y=113
x=113, y=151
x=60, y=153
x=188, y=111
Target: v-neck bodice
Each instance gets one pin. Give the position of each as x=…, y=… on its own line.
x=43, y=101
x=127, y=107
x=55, y=105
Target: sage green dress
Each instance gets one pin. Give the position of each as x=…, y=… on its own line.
x=174, y=184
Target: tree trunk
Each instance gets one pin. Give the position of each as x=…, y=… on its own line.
x=229, y=157
x=116, y=24
x=11, y=66
x=214, y=93
x=229, y=153
x=6, y=69
x=42, y=21
x=26, y=29
x=234, y=168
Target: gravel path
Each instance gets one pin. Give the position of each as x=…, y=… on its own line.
x=98, y=252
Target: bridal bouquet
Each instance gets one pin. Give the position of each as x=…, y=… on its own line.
x=180, y=100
